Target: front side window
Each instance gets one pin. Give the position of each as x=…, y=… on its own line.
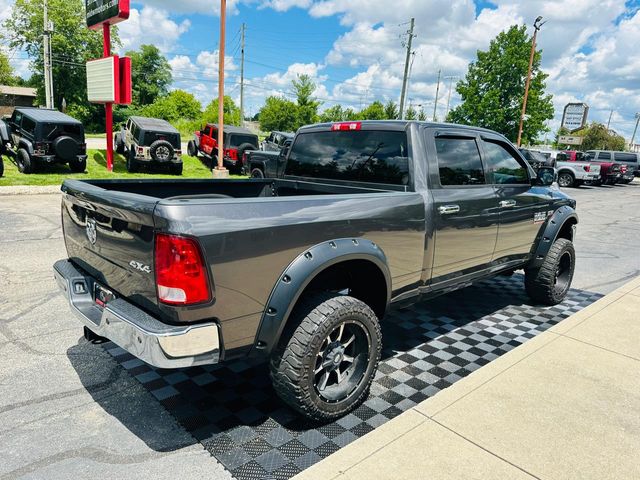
x=504, y=168
x=360, y=155
x=459, y=161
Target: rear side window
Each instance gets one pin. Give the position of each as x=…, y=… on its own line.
x=459, y=161
x=627, y=157
x=361, y=155
x=237, y=140
x=28, y=125
x=604, y=156
x=503, y=166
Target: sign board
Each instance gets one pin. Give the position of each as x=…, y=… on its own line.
x=103, y=80
x=125, y=81
x=110, y=12
x=570, y=140
x=575, y=116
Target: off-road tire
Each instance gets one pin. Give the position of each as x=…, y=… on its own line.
x=176, y=168
x=132, y=164
x=78, y=166
x=161, y=146
x=567, y=179
x=257, y=173
x=1, y=165
x=540, y=283
x=192, y=150
x=294, y=359
x=24, y=162
x=119, y=144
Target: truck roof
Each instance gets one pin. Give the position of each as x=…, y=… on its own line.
x=396, y=125
x=47, y=115
x=156, y=124
x=233, y=129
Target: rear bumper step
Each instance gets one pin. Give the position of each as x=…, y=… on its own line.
x=155, y=342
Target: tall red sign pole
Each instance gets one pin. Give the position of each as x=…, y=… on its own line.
x=108, y=107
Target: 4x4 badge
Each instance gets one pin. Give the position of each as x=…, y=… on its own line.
x=91, y=231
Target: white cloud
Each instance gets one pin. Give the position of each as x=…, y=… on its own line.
x=284, y=5
x=206, y=7
x=151, y=26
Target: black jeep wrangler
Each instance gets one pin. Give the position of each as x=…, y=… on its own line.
x=149, y=141
x=36, y=136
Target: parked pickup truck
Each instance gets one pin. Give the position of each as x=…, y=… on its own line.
x=570, y=174
x=299, y=270
x=275, y=141
x=237, y=140
x=266, y=164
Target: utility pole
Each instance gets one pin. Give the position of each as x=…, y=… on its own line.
x=536, y=27
x=406, y=69
x=219, y=171
x=435, y=105
x=633, y=137
x=451, y=78
x=242, y=75
x=609, y=121
x=48, y=77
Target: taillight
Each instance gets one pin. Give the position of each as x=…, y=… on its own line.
x=181, y=276
x=140, y=150
x=232, y=153
x=337, y=127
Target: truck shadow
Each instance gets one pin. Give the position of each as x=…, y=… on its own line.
x=234, y=412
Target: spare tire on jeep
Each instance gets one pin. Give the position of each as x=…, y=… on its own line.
x=161, y=151
x=65, y=148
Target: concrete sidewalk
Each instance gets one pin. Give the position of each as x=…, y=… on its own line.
x=564, y=405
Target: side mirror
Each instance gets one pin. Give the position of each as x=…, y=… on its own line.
x=546, y=176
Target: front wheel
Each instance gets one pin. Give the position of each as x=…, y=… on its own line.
x=24, y=162
x=549, y=283
x=565, y=179
x=327, y=356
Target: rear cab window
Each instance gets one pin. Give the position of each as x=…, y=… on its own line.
x=376, y=156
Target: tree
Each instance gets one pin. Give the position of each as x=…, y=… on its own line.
x=231, y=112
x=307, y=105
x=597, y=137
x=422, y=115
x=375, y=111
x=411, y=113
x=6, y=71
x=391, y=110
x=278, y=114
x=150, y=74
x=493, y=89
x=556, y=142
x=333, y=114
x=72, y=44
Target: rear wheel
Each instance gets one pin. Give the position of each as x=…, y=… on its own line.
x=192, y=151
x=132, y=164
x=1, y=166
x=24, y=162
x=77, y=165
x=119, y=144
x=175, y=168
x=327, y=356
x=550, y=282
x=565, y=179
x=257, y=173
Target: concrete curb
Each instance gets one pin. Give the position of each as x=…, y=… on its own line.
x=29, y=190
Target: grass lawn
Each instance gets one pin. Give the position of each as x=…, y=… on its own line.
x=97, y=168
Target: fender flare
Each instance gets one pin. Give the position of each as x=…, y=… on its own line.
x=297, y=276
x=555, y=224
x=26, y=144
x=4, y=132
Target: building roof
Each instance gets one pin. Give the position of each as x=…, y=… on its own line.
x=233, y=129
x=19, y=91
x=47, y=115
x=156, y=124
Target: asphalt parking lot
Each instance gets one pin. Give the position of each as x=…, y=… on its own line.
x=72, y=409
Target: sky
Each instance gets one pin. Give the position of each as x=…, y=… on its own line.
x=354, y=49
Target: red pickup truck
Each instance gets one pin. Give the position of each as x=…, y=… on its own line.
x=610, y=172
x=236, y=140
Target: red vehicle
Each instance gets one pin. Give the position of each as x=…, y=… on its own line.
x=610, y=172
x=236, y=140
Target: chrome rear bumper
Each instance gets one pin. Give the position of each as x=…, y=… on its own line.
x=155, y=342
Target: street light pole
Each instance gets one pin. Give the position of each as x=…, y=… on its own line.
x=633, y=137
x=219, y=171
x=536, y=27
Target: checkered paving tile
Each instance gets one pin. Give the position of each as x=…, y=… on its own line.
x=233, y=411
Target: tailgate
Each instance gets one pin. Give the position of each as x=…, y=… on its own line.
x=110, y=235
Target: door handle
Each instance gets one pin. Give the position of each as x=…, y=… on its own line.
x=448, y=209
x=508, y=203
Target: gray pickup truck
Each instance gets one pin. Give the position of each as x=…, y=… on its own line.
x=299, y=270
